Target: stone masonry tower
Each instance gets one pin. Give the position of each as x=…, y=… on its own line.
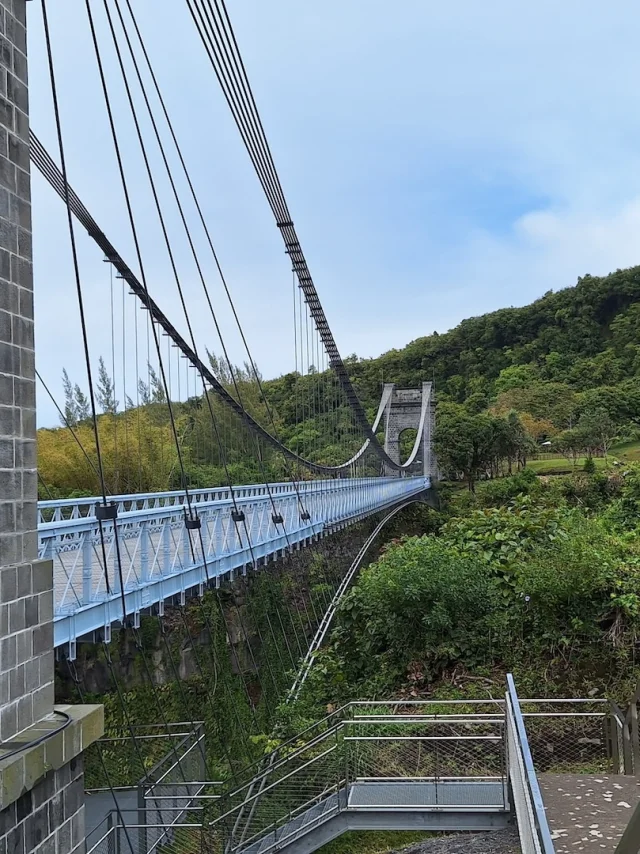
x=41, y=777
x=410, y=408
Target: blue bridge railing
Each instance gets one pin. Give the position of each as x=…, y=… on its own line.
x=161, y=559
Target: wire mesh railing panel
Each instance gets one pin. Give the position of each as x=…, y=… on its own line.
x=132, y=753
x=133, y=838
x=172, y=789
x=285, y=797
x=104, y=842
x=572, y=737
x=428, y=748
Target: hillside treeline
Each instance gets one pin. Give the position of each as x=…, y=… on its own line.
x=563, y=370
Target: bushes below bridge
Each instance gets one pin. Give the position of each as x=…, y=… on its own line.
x=543, y=582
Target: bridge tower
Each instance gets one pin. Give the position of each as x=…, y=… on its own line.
x=41, y=772
x=410, y=409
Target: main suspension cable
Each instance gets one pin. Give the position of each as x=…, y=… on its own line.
x=278, y=204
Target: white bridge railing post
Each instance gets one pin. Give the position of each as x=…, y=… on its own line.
x=87, y=567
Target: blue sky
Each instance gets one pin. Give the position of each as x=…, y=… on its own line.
x=440, y=161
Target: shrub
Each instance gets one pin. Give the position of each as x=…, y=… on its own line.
x=422, y=599
x=495, y=493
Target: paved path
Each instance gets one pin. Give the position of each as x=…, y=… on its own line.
x=588, y=812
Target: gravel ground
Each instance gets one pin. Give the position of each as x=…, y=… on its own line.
x=498, y=842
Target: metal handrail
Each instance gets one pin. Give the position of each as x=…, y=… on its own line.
x=541, y=824
x=199, y=496
x=237, y=808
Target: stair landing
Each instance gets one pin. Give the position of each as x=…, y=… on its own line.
x=389, y=805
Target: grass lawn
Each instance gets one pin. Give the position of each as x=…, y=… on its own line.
x=629, y=451
x=563, y=466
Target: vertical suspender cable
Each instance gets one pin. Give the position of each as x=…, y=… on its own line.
x=85, y=340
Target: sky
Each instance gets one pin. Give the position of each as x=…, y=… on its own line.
x=439, y=161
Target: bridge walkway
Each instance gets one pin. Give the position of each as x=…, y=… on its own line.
x=161, y=560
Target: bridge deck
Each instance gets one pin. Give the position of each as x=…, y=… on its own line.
x=588, y=812
x=160, y=559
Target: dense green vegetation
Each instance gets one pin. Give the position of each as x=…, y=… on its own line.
x=537, y=578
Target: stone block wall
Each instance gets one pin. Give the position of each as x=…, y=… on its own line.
x=26, y=645
x=18, y=475
x=48, y=819
x=41, y=776
x=26, y=584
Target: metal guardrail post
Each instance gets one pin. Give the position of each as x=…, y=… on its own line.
x=166, y=548
x=620, y=743
x=142, y=819
x=116, y=834
x=87, y=567
x=633, y=726
x=506, y=772
x=631, y=721
x=144, y=551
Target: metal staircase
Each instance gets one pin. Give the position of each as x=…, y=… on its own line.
x=379, y=767
x=395, y=765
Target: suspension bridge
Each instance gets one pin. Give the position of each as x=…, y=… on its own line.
x=150, y=555
x=188, y=474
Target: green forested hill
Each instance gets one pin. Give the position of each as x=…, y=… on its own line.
x=565, y=368
x=584, y=336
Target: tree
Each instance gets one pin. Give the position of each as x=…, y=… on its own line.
x=475, y=403
x=220, y=368
x=539, y=429
x=156, y=387
x=69, y=417
x=516, y=376
x=144, y=393
x=511, y=441
x=83, y=410
x=597, y=430
x=570, y=443
x=464, y=444
x=105, y=393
